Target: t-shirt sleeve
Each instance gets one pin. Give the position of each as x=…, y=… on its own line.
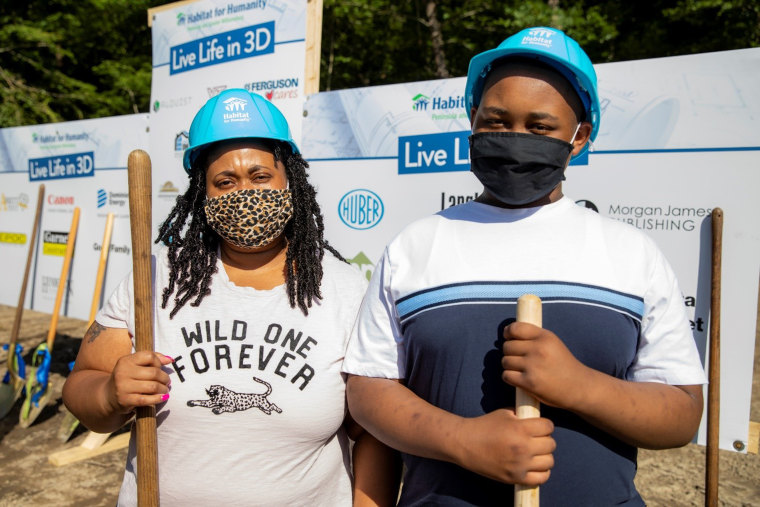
x=667, y=352
x=117, y=312
x=376, y=348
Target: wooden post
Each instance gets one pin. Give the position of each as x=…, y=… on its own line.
x=526, y=406
x=139, y=178
x=313, y=46
x=713, y=388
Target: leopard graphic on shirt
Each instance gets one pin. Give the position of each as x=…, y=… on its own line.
x=222, y=399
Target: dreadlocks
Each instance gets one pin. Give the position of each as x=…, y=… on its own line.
x=193, y=255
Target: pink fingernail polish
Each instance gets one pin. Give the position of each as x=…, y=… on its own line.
x=169, y=358
x=165, y=397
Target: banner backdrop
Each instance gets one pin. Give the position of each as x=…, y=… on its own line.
x=202, y=48
x=82, y=164
x=678, y=137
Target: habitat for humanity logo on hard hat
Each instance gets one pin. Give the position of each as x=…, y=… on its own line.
x=538, y=37
x=235, y=107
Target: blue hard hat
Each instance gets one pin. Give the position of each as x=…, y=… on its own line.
x=236, y=114
x=552, y=47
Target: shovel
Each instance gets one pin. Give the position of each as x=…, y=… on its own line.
x=15, y=378
x=69, y=422
x=38, y=387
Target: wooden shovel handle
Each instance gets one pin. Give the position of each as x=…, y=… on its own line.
x=526, y=406
x=24, y=282
x=713, y=374
x=139, y=177
x=104, y=247
x=62, y=281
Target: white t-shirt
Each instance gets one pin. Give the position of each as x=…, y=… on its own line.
x=257, y=395
x=447, y=286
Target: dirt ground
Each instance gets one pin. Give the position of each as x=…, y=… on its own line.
x=666, y=478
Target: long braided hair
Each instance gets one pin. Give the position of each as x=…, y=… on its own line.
x=192, y=244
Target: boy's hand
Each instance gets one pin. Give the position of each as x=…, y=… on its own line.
x=500, y=446
x=536, y=360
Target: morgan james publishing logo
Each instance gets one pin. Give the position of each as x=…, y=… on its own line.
x=361, y=209
x=168, y=191
x=17, y=203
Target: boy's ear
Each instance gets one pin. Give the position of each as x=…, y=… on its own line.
x=473, y=111
x=581, y=138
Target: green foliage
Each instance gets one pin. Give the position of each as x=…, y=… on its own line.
x=384, y=41
x=69, y=59
x=72, y=59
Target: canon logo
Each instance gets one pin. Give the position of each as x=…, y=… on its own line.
x=59, y=199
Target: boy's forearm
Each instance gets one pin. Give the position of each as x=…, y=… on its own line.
x=402, y=420
x=645, y=414
x=85, y=395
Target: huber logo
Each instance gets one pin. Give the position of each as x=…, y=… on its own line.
x=361, y=209
x=102, y=198
x=180, y=18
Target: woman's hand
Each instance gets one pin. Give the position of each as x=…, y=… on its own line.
x=137, y=380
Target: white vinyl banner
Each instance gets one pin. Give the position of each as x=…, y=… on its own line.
x=678, y=138
x=202, y=48
x=82, y=164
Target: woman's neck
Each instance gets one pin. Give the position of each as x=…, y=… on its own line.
x=261, y=269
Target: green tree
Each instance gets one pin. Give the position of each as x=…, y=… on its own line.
x=72, y=59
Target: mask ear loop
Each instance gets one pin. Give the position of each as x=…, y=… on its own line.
x=577, y=128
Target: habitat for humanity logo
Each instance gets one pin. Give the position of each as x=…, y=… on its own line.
x=538, y=37
x=420, y=102
x=361, y=209
x=235, y=108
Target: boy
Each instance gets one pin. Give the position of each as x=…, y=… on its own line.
x=435, y=353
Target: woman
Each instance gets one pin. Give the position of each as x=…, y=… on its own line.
x=251, y=321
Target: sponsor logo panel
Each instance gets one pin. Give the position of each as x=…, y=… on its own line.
x=18, y=202
x=361, y=209
x=75, y=165
x=255, y=40
x=54, y=243
x=14, y=238
x=434, y=153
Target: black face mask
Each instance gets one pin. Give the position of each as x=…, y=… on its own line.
x=518, y=168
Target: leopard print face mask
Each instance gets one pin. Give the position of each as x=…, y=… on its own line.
x=250, y=218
